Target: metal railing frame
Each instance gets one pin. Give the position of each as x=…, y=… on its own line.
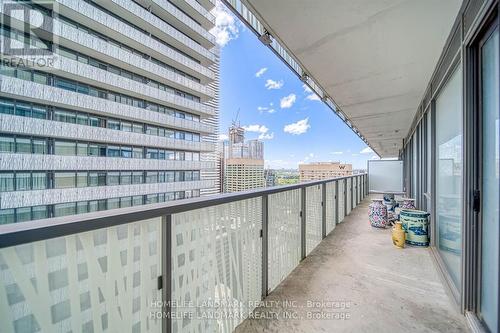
x=32, y=231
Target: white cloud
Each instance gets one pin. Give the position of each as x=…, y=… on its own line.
x=223, y=137
x=261, y=129
x=306, y=158
x=287, y=101
x=367, y=150
x=313, y=97
x=266, y=136
x=337, y=152
x=311, y=94
x=261, y=71
x=278, y=164
x=375, y=157
x=271, y=84
x=256, y=128
x=300, y=127
x=226, y=27
x=266, y=109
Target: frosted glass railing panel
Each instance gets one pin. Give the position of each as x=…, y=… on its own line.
x=102, y=280
x=341, y=200
x=216, y=265
x=330, y=206
x=349, y=193
x=283, y=235
x=313, y=217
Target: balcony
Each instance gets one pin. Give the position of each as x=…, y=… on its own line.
x=41, y=93
x=402, y=75
x=54, y=196
x=60, y=130
x=121, y=269
x=78, y=39
x=167, y=12
x=113, y=27
x=193, y=8
x=12, y=161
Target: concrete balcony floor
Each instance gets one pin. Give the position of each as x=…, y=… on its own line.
x=389, y=289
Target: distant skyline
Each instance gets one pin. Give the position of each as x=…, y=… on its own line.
x=276, y=107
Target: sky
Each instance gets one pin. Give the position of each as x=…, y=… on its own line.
x=275, y=106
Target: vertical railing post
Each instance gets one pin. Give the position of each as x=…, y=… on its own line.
x=367, y=185
x=358, y=189
x=352, y=193
x=323, y=210
x=336, y=198
x=166, y=283
x=303, y=223
x=345, y=196
x=265, y=255
x=364, y=187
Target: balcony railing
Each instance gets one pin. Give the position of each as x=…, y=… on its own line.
x=200, y=264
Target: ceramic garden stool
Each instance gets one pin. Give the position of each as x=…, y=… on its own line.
x=416, y=226
x=408, y=203
x=404, y=203
x=377, y=214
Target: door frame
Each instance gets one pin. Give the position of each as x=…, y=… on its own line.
x=473, y=153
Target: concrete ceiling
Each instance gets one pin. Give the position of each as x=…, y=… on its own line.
x=373, y=57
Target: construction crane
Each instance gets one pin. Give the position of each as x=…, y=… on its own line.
x=236, y=119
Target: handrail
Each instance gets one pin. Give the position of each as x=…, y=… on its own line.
x=31, y=231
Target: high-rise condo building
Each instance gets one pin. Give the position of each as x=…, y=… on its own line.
x=120, y=108
x=242, y=162
x=323, y=170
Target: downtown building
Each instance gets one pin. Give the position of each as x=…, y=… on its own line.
x=127, y=113
x=242, y=161
x=323, y=170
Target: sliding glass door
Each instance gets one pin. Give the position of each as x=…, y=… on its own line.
x=449, y=165
x=489, y=182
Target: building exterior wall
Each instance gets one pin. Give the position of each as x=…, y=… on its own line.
x=323, y=170
x=128, y=113
x=243, y=174
x=242, y=162
x=213, y=172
